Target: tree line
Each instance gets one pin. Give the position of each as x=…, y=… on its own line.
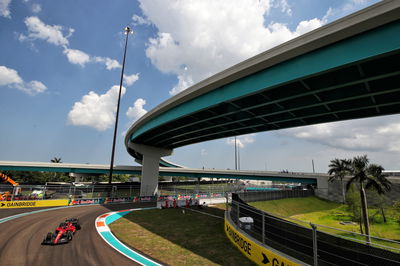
x=41, y=177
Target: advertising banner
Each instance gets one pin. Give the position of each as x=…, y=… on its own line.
x=118, y=200
x=147, y=199
x=86, y=201
x=166, y=197
x=201, y=196
x=254, y=251
x=32, y=203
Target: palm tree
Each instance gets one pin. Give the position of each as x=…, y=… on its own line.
x=378, y=182
x=56, y=160
x=367, y=176
x=337, y=170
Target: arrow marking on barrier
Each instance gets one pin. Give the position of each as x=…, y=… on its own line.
x=265, y=259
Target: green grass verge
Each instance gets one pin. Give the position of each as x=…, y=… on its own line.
x=317, y=211
x=176, y=238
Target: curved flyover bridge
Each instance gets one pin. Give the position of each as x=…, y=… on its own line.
x=347, y=69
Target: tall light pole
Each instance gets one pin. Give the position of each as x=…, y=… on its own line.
x=127, y=31
x=235, y=156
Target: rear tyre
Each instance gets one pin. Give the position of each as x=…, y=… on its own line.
x=69, y=236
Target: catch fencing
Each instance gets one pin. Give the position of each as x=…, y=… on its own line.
x=313, y=244
x=68, y=191
x=250, y=196
x=94, y=191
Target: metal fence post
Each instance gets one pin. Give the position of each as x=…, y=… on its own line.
x=238, y=214
x=227, y=199
x=315, y=248
x=92, y=191
x=263, y=227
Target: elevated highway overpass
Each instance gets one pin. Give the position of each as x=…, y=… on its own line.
x=305, y=178
x=345, y=70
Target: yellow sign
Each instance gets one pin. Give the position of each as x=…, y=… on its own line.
x=253, y=251
x=32, y=203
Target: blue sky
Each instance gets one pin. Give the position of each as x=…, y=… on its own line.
x=60, y=61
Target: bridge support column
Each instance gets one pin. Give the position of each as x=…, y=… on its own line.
x=322, y=187
x=150, y=167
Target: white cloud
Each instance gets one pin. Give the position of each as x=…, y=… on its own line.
x=284, y=6
x=96, y=111
x=52, y=34
x=369, y=135
x=138, y=20
x=76, y=56
x=9, y=77
x=308, y=25
x=184, y=82
x=347, y=7
x=130, y=79
x=109, y=63
x=81, y=58
x=241, y=141
x=4, y=10
x=136, y=111
x=36, y=8
x=197, y=39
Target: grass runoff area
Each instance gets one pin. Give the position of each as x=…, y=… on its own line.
x=317, y=211
x=174, y=237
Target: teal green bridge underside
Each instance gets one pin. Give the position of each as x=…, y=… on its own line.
x=357, y=77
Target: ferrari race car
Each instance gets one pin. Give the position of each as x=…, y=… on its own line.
x=63, y=233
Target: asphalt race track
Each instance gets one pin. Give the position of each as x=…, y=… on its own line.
x=20, y=239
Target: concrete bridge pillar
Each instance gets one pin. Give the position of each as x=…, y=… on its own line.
x=150, y=167
x=322, y=187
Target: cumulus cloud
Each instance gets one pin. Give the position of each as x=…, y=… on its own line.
x=347, y=7
x=284, y=6
x=52, y=34
x=368, y=135
x=108, y=62
x=138, y=20
x=308, y=25
x=96, y=111
x=136, y=111
x=10, y=77
x=76, y=56
x=130, y=79
x=197, y=39
x=241, y=141
x=37, y=29
x=4, y=10
x=81, y=58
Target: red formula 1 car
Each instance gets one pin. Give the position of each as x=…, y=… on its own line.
x=63, y=233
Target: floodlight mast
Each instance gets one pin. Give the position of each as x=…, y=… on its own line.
x=127, y=30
